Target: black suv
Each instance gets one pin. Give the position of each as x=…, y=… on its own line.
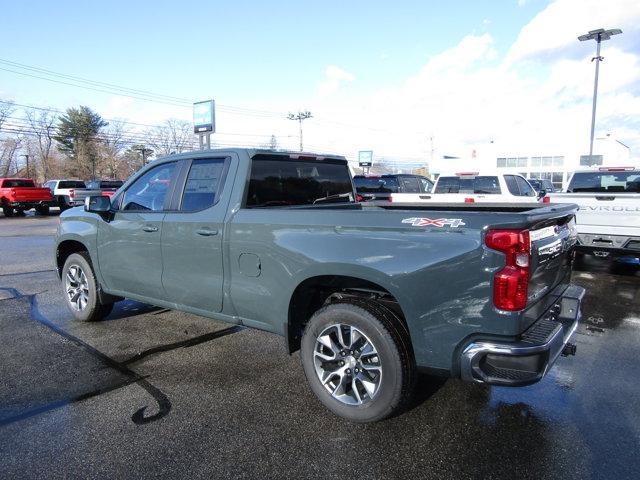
x=380, y=187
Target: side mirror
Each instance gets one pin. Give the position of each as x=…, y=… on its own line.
x=97, y=204
x=542, y=193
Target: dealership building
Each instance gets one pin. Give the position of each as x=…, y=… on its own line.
x=546, y=161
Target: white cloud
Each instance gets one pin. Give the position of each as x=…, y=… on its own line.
x=334, y=78
x=539, y=93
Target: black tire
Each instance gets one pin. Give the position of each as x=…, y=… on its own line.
x=94, y=310
x=19, y=212
x=8, y=211
x=42, y=209
x=387, y=333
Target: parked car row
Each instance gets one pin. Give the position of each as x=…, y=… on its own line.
x=18, y=195
x=608, y=220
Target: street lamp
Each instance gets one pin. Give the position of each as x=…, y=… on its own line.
x=598, y=35
x=300, y=116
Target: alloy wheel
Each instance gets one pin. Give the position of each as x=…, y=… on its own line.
x=347, y=364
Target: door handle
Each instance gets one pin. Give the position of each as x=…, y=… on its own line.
x=149, y=228
x=206, y=232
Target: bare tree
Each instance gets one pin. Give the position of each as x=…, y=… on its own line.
x=43, y=127
x=6, y=109
x=174, y=136
x=8, y=149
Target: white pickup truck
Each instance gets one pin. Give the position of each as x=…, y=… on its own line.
x=475, y=187
x=608, y=221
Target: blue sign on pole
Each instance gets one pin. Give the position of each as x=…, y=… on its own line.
x=204, y=117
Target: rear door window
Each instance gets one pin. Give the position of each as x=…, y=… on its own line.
x=410, y=185
x=427, y=186
x=203, y=186
x=276, y=182
x=525, y=189
x=512, y=185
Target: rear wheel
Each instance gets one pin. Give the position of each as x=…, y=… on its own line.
x=42, y=209
x=358, y=360
x=80, y=289
x=8, y=211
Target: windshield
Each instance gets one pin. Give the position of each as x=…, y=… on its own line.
x=484, y=185
x=605, y=182
x=376, y=184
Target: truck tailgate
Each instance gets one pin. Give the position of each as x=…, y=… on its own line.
x=24, y=194
x=607, y=209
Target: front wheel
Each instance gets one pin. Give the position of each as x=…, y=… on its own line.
x=358, y=360
x=80, y=289
x=8, y=211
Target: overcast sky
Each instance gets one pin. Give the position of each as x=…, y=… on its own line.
x=386, y=76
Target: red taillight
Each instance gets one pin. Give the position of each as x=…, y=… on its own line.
x=511, y=284
x=546, y=200
x=72, y=193
x=469, y=200
x=359, y=198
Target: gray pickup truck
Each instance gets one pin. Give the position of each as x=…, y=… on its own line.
x=369, y=293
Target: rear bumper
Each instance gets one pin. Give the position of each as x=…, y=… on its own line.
x=527, y=360
x=609, y=245
x=28, y=204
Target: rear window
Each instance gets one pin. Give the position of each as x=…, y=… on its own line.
x=275, y=182
x=376, y=184
x=71, y=184
x=482, y=185
x=113, y=184
x=18, y=183
x=605, y=182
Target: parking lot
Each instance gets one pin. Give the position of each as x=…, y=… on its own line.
x=152, y=392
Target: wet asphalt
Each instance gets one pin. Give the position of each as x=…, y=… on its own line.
x=153, y=393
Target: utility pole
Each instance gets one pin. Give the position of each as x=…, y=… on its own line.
x=300, y=116
x=598, y=35
x=27, y=159
x=143, y=151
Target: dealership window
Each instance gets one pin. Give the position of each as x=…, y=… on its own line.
x=556, y=178
x=512, y=162
x=535, y=161
x=502, y=162
x=558, y=161
x=522, y=161
x=547, y=161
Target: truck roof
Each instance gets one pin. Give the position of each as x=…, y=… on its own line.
x=252, y=152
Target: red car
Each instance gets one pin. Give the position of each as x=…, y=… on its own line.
x=20, y=194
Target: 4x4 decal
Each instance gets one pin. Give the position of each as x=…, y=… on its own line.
x=438, y=222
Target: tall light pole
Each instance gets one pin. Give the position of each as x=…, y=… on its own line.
x=300, y=116
x=598, y=35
